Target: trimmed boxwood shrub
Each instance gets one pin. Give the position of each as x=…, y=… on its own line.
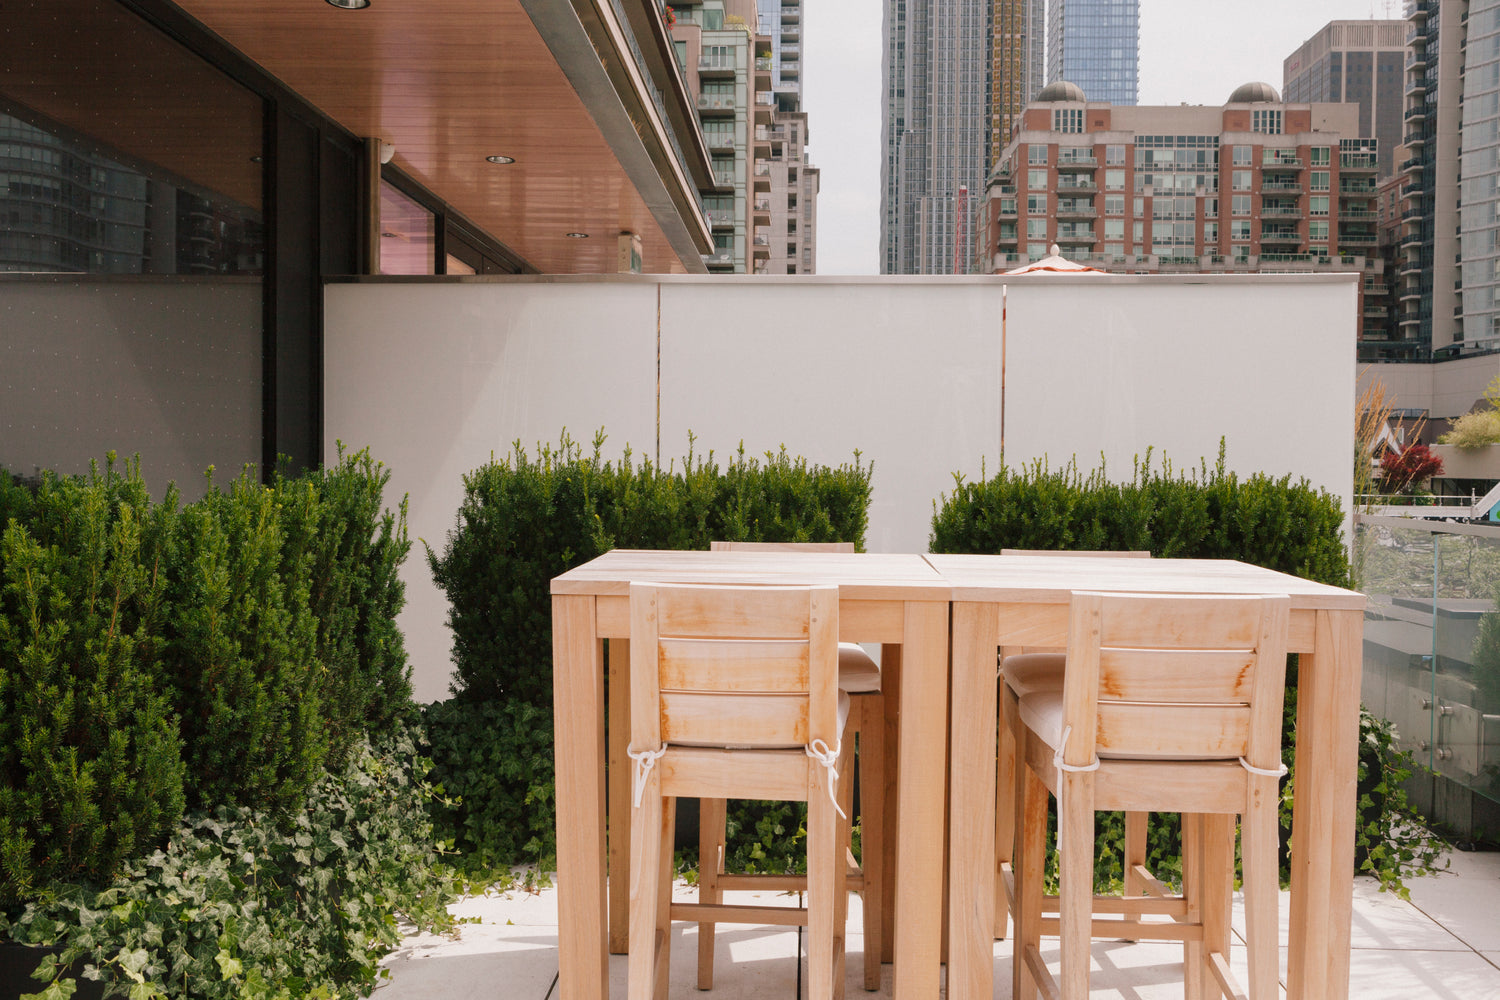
x=524, y=521
x=157, y=657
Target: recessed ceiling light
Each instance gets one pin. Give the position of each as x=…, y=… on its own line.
x=350, y=4
x=578, y=236
x=501, y=159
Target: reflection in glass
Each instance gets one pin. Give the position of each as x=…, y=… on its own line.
x=408, y=242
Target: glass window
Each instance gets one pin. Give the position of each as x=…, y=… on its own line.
x=1067, y=120
x=1210, y=208
x=1211, y=233
x=1266, y=121
x=1114, y=229
x=1320, y=156
x=1239, y=229
x=713, y=19
x=1317, y=205
x=1114, y=156
x=1239, y=204
x=1137, y=230
x=1140, y=206
x=408, y=243
x=1036, y=229
x=1318, y=180
x=1036, y=204
x=1114, y=180
x=1114, y=204
x=1243, y=156
x=1036, y=251
x=1318, y=230
x=1036, y=180
x=1036, y=154
x=1240, y=180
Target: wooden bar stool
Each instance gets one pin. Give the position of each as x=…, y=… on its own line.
x=1172, y=704
x=1031, y=670
x=734, y=694
x=859, y=678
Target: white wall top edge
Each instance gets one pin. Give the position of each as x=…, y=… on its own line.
x=1090, y=277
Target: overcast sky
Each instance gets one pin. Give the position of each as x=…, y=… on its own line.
x=1195, y=51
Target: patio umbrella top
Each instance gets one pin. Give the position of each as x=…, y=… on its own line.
x=1053, y=262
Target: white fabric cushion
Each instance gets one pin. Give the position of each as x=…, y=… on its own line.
x=858, y=673
x=1028, y=673
x=1042, y=713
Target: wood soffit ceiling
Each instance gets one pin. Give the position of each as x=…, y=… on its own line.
x=450, y=82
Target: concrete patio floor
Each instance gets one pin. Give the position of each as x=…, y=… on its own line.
x=1443, y=945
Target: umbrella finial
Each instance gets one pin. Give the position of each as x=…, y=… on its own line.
x=1055, y=250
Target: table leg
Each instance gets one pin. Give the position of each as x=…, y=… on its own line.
x=890, y=683
x=919, y=830
x=619, y=796
x=578, y=750
x=1324, y=809
x=971, y=819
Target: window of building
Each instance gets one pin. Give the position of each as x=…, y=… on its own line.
x=1036, y=154
x=1317, y=231
x=1140, y=207
x=408, y=234
x=713, y=19
x=1210, y=208
x=1067, y=120
x=1036, y=204
x=1320, y=156
x=1240, y=253
x=1036, y=251
x=1239, y=204
x=1114, y=180
x=1266, y=121
x=1317, y=205
x=1115, y=251
x=1240, y=180
x=717, y=57
x=1114, y=204
x=1138, y=231
x=1114, y=229
x=1114, y=156
x=1239, y=229
x=1318, y=180
x=1242, y=156
x=1036, y=229
x=1036, y=180
x=1211, y=233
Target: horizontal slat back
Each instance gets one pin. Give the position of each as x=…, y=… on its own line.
x=748, y=665
x=737, y=720
x=732, y=613
x=1180, y=622
x=1157, y=730
x=781, y=546
x=1175, y=675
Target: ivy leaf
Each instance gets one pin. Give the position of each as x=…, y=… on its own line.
x=229, y=966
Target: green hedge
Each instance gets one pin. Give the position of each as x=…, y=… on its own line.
x=1209, y=514
x=158, y=657
x=524, y=521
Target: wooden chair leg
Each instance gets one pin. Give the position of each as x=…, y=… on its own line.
x=1005, y=810
x=842, y=859
x=872, y=831
x=1075, y=826
x=1030, y=858
x=1134, y=854
x=713, y=817
x=1218, y=892
x=646, y=837
x=664, y=866
x=1193, y=874
x=1259, y=844
x=823, y=857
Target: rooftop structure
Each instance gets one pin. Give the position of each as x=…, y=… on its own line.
x=1096, y=44
x=1357, y=61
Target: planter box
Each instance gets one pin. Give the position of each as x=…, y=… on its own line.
x=1469, y=463
x=19, y=961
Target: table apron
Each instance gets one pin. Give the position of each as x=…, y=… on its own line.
x=859, y=620
x=1047, y=625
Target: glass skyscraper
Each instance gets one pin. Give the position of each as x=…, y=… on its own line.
x=1096, y=44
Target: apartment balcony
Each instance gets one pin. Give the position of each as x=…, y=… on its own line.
x=1356, y=187
x=724, y=178
x=760, y=247
x=1280, y=237
x=1416, y=86
x=1416, y=114
x=790, y=50
x=720, y=219
x=715, y=67
x=791, y=31
x=1282, y=212
x=762, y=210
x=1069, y=184
x=1359, y=163
x=790, y=70
x=1281, y=164
x=1416, y=59
x=716, y=104
x=762, y=177
x=765, y=63
x=1376, y=312
x=1075, y=236
x=1008, y=238
x=719, y=258
x=1289, y=187
x=1411, y=239
x=791, y=15
x=1077, y=161
x=1358, y=239
x=1076, y=210
x=1415, y=139
x=719, y=142
x=1411, y=166
x=1419, y=9
x=1358, y=215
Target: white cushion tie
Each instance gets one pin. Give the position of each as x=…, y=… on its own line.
x=1269, y=772
x=828, y=758
x=645, y=760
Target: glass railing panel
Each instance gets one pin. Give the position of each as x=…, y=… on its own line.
x=1465, y=703
x=1395, y=569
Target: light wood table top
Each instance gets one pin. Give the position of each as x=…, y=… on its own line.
x=858, y=575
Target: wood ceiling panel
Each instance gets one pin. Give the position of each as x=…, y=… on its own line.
x=450, y=82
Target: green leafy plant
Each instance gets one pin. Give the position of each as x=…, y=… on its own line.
x=243, y=903
x=90, y=766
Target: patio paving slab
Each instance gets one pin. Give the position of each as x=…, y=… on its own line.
x=1465, y=899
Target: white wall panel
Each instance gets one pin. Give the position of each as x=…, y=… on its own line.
x=435, y=376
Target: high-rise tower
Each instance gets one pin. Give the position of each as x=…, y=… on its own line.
x=1096, y=44
x=1360, y=62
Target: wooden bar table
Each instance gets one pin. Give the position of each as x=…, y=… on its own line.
x=899, y=601
x=1023, y=601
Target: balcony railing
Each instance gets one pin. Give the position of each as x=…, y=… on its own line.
x=716, y=102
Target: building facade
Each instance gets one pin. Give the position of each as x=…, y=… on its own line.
x=1255, y=185
x=1017, y=66
x=1096, y=45
x=785, y=209
x=1362, y=62
x=934, y=134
